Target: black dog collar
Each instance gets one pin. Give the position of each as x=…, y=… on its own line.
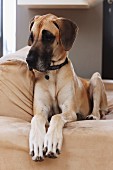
x=56, y=67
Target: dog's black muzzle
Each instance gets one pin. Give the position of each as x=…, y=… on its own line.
x=30, y=63
x=38, y=61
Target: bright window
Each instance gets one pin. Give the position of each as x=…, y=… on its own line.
x=9, y=26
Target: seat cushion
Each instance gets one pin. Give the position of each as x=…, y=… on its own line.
x=16, y=89
x=87, y=145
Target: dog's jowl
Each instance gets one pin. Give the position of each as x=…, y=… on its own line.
x=59, y=95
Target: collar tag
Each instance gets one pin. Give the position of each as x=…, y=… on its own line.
x=47, y=77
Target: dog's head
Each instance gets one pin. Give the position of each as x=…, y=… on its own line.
x=50, y=38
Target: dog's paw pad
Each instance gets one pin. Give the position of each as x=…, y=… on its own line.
x=37, y=158
x=51, y=155
x=91, y=117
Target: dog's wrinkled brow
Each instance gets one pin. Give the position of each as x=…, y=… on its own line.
x=56, y=24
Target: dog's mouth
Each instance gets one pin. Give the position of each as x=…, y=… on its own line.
x=38, y=66
x=40, y=69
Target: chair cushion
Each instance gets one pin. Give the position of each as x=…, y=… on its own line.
x=16, y=89
x=87, y=145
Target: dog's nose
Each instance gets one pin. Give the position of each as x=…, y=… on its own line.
x=31, y=57
x=29, y=60
x=30, y=63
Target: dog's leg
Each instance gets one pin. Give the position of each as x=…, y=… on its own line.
x=36, y=137
x=38, y=131
x=54, y=137
x=67, y=103
x=98, y=95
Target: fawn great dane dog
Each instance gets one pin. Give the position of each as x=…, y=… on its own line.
x=59, y=94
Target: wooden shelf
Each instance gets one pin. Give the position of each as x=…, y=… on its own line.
x=80, y=4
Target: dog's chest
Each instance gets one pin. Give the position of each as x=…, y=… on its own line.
x=52, y=92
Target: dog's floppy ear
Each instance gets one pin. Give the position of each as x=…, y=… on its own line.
x=30, y=40
x=68, y=32
x=32, y=21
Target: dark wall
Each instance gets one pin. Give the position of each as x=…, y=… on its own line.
x=107, y=62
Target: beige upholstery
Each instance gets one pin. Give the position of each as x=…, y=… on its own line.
x=16, y=86
x=88, y=145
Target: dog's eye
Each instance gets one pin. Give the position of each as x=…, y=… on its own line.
x=47, y=36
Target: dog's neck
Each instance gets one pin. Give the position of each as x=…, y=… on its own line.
x=59, y=61
x=56, y=67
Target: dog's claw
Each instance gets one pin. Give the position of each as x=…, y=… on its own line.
x=37, y=158
x=44, y=151
x=58, y=151
x=51, y=155
x=91, y=117
x=32, y=153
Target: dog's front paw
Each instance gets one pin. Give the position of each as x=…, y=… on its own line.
x=36, y=141
x=92, y=117
x=53, y=143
